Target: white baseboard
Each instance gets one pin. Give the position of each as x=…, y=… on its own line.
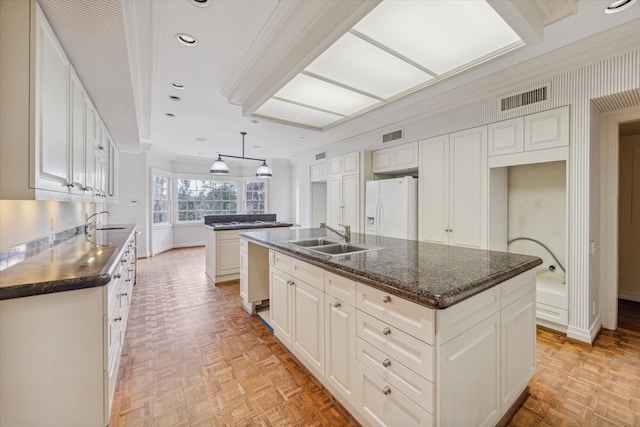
x=188, y=244
x=584, y=335
x=629, y=297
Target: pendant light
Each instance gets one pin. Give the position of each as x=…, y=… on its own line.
x=219, y=167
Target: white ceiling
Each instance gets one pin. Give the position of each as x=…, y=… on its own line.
x=126, y=54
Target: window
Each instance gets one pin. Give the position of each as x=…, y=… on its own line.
x=197, y=198
x=161, y=200
x=254, y=197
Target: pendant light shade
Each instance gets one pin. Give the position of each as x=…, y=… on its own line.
x=264, y=171
x=219, y=167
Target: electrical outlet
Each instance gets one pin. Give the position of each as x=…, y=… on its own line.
x=593, y=247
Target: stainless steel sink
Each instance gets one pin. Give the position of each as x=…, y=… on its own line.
x=319, y=241
x=341, y=249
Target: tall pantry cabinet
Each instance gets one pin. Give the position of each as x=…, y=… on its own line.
x=345, y=195
x=453, y=189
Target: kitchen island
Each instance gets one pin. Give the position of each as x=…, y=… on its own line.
x=404, y=332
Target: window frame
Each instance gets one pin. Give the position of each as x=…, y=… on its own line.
x=169, y=207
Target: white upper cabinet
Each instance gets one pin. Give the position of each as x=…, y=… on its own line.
x=48, y=124
x=453, y=189
x=318, y=173
x=395, y=159
x=52, y=110
x=540, y=131
x=345, y=196
x=548, y=129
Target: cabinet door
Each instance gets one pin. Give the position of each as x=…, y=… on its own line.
x=308, y=326
x=506, y=137
x=547, y=129
x=90, y=129
x=244, y=275
x=318, y=173
x=468, y=186
x=434, y=190
x=340, y=346
x=52, y=110
x=351, y=163
x=382, y=160
x=383, y=405
x=405, y=156
x=280, y=304
x=335, y=166
x=227, y=256
x=334, y=201
x=210, y=254
x=351, y=201
x=78, y=134
x=100, y=162
x=518, y=348
x=470, y=376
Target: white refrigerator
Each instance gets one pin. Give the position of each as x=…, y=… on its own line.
x=391, y=208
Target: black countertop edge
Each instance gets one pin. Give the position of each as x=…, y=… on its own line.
x=241, y=226
x=43, y=288
x=439, y=302
x=69, y=284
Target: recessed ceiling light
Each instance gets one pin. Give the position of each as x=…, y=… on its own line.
x=302, y=138
x=179, y=86
x=186, y=39
x=256, y=146
x=170, y=115
x=199, y=3
x=200, y=139
x=255, y=122
x=174, y=98
x=618, y=6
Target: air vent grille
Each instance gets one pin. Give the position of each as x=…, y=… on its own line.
x=392, y=136
x=320, y=156
x=522, y=99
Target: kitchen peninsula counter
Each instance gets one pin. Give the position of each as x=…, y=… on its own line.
x=433, y=275
x=83, y=261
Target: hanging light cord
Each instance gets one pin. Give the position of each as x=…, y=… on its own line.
x=243, y=157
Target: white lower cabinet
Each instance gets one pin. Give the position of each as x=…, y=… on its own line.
x=392, y=362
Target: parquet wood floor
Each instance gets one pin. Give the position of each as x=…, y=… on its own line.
x=629, y=315
x=192, y=357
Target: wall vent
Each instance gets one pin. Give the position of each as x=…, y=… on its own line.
x=392, y=136
x=525, y=98
x=320, y=156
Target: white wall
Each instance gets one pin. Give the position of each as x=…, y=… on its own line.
x=537, y=209
x=22, y=221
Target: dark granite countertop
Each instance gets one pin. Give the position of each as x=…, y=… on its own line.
x=436, y=276
x=219, y=226
x=80, y=262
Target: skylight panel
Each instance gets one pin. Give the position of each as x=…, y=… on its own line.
x=288, y=112
x=320, y=94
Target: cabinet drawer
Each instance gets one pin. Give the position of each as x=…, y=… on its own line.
x=383, y=405
x=411, y=352
x=516, y=287
x=412, y=318
x=244, y=245
x=552, y=314
x=307, y=273
x=280, y=261
x=228, y=234
x=458, y=318
x=415, y=387
x=340, y=287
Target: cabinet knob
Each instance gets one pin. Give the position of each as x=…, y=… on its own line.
x=386, y=390
x=386, y=363
x=337, y=304
x=386, y=299
x=386, y=331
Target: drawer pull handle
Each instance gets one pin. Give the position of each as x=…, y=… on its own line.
x=117, y=319
x=124, y=261
x=386, y=363
x=386, y=390
x=117, y=276
x=290, y=282
x=386, y=299
x=126, y=294
x=337, y=304
x=386, y=331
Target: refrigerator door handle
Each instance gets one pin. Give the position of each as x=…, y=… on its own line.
x=378, y=212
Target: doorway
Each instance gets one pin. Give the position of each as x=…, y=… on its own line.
x=614, y=126
x=629, y=226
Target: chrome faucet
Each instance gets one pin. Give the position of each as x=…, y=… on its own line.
x=347, y=231
x=87, y=223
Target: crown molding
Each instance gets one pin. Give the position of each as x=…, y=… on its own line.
x=296, y=33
